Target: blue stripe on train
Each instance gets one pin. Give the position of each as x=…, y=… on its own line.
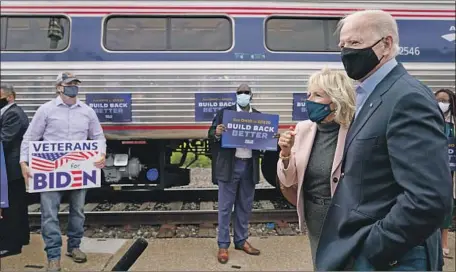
x=426, y=35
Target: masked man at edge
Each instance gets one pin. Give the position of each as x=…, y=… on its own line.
x=395, y=186
x=237, y=172
x=63, y=118
x=14, y=226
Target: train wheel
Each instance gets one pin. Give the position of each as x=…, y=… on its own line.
x=269, y=170
x=269, y=167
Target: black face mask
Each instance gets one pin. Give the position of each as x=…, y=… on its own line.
x=359, y=62
x=3, y=102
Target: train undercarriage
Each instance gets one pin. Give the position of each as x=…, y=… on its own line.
x=150, y=164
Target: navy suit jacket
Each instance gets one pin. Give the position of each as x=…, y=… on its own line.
x=13, y=124
x=395, y=187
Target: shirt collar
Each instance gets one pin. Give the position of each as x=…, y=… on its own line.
x=59, y=101
x=373, y=80
x=239, y=108
x=3, y=110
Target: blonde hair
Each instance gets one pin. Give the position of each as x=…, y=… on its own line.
x=339, y=87
x=376, y=22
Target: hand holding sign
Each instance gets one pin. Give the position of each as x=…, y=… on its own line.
x=286, y=141
x=220, y=129
x=101, y=162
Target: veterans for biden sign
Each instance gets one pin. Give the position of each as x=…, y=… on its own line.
x=61, y=166
x=254, y=131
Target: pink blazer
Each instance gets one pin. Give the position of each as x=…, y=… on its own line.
x=292, y=178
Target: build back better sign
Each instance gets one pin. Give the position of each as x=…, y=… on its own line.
x=299, y=107
x=254, y=131
x=207, y=104
x=111, y=107
x=452, y=153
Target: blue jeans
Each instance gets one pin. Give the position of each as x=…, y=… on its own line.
x=414, y=260
x=50, y=227
x=239, y=192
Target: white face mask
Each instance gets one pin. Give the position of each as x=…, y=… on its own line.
x=243, y=99
x=444, y=106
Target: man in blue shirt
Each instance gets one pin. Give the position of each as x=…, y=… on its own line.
x=64, y=118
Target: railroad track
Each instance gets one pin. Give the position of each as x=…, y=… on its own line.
x=166, y=213
x=183, y=194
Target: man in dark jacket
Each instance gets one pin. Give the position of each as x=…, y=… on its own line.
x=14, y=225
x=237, y=172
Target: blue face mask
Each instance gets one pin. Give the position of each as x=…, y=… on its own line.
x=243, y=99
x=317, y=111
x=70, y=91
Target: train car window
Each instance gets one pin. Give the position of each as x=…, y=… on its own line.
x=302, y=34
x=135, y=34
x=201, y=34
x=166, y=33
x=3, y=26
x=34, y=33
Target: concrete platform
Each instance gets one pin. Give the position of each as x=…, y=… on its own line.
x=279, y=253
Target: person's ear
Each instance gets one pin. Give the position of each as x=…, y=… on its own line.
x=388, y=45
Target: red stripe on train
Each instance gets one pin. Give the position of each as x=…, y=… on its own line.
x=235, y=13
x=214, y=8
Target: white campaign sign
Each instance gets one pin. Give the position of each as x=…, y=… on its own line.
x=61, y=166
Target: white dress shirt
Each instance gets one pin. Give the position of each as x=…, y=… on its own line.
x=243, y=153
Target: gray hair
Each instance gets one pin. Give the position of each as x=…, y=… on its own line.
x=376, y=22
x=8, y=90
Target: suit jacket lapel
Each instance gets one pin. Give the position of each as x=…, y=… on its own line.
x=306, y=145
x=365, y=113
x=339, y=149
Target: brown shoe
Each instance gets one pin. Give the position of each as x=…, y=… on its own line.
x=222, y=255
x=53, y=266
x=249, y=249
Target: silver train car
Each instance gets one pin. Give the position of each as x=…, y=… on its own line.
x=165, y=52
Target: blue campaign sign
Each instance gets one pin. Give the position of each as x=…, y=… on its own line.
x=254, y=131
x=111, y=107
x=452, y=153
x=207, y=104
x=3, y=180
x=299, y=107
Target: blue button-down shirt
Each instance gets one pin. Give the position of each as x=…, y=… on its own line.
x=57, y=121
x=366, y=87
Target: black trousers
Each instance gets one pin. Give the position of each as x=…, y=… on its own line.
x=14, y=227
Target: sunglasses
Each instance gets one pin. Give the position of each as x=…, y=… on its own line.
x=243, y=92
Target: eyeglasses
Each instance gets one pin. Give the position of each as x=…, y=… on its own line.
x=243, y=92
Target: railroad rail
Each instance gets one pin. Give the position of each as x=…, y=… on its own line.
x=160, y=213
x=181, y=194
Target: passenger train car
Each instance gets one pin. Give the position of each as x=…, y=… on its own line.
x=163, y=52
